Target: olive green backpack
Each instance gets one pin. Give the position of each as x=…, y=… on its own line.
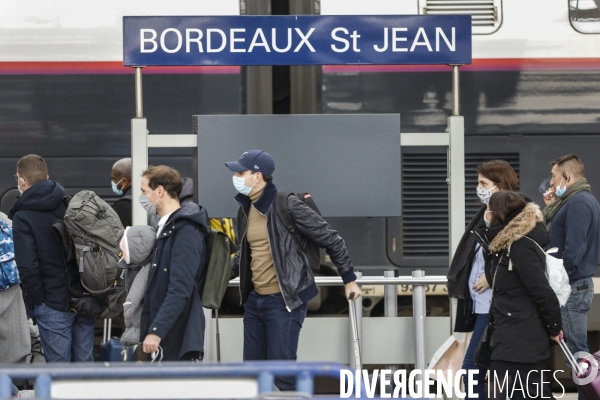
x=218, y=270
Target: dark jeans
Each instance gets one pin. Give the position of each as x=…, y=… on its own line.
x=271, y=332
x=66, y=336
x=481, y=322
x=574, y=316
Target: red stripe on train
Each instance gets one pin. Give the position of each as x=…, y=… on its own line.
x=481, y=64
x=102, y=68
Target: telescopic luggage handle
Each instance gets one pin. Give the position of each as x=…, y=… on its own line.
x=353, y=323
x=567, y=352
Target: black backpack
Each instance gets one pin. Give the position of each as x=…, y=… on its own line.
x=312, y=251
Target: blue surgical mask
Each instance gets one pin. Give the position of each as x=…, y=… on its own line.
x=560, y=190
x=115, y=188
x=240, y=185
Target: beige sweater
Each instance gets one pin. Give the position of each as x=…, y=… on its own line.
x=263, y=271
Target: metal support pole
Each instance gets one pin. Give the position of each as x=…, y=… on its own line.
x=5, y=387
x=419, y=321
x=358, y=302
x=455, y=91
x=43, y=386
x=265, y=382
x=139, y=102
x=390, y=295
x=305, y=383
x=139, y=150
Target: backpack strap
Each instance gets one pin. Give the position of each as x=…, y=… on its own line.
x=283, y=214
x=197, y=227
x=282, y=211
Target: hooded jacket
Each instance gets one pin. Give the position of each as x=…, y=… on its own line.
x=140, y=241
x=524, y=310
x=122, y=207
x=172, y=305
x=37, y=253
x=294, y=274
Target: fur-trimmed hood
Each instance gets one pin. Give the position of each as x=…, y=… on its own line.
x=517, y=228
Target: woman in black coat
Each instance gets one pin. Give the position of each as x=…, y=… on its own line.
x=524, y=312
x=466, y=278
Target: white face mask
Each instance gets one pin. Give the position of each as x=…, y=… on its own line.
x=485, y=194
x=240, y=185
x=149, y=206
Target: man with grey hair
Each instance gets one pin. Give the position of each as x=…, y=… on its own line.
x=121, y=184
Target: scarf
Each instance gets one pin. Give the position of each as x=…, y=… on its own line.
x=551, y=210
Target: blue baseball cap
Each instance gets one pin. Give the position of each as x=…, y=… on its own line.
x=256, y=160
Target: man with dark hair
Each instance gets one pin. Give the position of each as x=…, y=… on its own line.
x=573, y=218
x=172, y=318
x=276, y=280
x=121, y=185
x=66, y=336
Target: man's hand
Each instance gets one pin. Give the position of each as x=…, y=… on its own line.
x=557, y=338
x=481, y=285
x=550, y=196
x=352, y=287
x=151, y=343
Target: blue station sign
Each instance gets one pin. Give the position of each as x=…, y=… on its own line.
x=296, y=40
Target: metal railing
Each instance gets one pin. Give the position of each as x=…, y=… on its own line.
x=418, y=281
x=263, y=371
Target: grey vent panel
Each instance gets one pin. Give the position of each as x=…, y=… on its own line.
x=424, y=227
x=486, y=14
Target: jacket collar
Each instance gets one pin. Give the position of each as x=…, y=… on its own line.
x=263, y=203
x=519, y=226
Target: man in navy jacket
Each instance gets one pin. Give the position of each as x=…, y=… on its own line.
x=66, y=336
x=172, y=317
x=573, y=219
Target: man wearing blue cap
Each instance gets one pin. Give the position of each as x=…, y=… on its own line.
x=276, y=280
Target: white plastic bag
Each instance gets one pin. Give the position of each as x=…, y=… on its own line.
x=557, y=277
x=449, y=357
x=556, y=274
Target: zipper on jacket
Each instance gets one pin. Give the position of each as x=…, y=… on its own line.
x=278, y=281
x=241, y=250
x=482, y=239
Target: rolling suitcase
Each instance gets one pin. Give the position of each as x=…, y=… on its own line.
x=110, y=349
x=591, y=390
x=355, y=338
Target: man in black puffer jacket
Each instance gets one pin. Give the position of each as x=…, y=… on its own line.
x=65, y=336
x=276, y=280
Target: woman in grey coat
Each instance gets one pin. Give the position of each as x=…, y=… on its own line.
x=137, y=245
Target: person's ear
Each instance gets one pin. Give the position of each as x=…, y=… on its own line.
x=125, y=184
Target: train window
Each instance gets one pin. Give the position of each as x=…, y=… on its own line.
x=486, y=14
x=585, y=15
